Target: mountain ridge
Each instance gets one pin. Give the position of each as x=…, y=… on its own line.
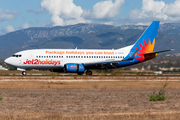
x=91, y=36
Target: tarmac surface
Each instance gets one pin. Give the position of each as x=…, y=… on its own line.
x=75, y=78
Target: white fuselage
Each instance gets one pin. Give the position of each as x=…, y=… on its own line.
x=57, y=58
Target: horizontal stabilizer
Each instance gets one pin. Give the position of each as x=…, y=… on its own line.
x=158, y=52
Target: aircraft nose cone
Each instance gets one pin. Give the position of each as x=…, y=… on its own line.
x=7, y=61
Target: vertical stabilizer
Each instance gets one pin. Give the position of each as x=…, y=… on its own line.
x=145, y=44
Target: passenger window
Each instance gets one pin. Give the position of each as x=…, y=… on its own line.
x=39, y=56
x=81, y=56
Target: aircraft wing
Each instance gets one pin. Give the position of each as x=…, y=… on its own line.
x=101, y=64
x=112, y=63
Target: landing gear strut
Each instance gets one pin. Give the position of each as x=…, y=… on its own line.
x=24, y=73
x=80, y=73
x=88, y=72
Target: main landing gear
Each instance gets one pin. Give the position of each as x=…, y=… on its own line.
x=80, y=73
x=88, y=72
x=24, y=73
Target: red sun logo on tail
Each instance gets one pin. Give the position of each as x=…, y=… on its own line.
x=147, y=48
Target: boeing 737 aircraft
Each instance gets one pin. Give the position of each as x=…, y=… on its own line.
x=81, y=60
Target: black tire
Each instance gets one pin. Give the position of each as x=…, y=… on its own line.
x=88, y=72
x=24, y=73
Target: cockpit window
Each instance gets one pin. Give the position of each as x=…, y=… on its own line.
x=17, y=56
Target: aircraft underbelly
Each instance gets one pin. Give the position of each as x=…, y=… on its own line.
x=40, y=66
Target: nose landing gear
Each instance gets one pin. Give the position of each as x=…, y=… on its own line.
x=24, y=73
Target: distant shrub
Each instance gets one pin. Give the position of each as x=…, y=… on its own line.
x=158, y=97
x=1, y=97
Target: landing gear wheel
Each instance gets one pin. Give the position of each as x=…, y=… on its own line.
x=81, y=73
x=88, y=72
x=24, y=73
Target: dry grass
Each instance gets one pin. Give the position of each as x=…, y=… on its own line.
x=127, y=116
x=87, y=100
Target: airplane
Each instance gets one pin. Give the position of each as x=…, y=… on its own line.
x=81, y=60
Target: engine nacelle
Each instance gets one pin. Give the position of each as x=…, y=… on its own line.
x=74, y=68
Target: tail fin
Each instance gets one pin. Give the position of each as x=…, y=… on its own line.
x=145, y=44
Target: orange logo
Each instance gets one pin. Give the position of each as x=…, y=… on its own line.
x=147, y=48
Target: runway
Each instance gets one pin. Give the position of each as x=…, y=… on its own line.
x=105, y=78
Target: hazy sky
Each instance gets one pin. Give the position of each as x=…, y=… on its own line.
x=21, y=14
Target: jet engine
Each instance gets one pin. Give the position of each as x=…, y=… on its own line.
x=74, y=68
